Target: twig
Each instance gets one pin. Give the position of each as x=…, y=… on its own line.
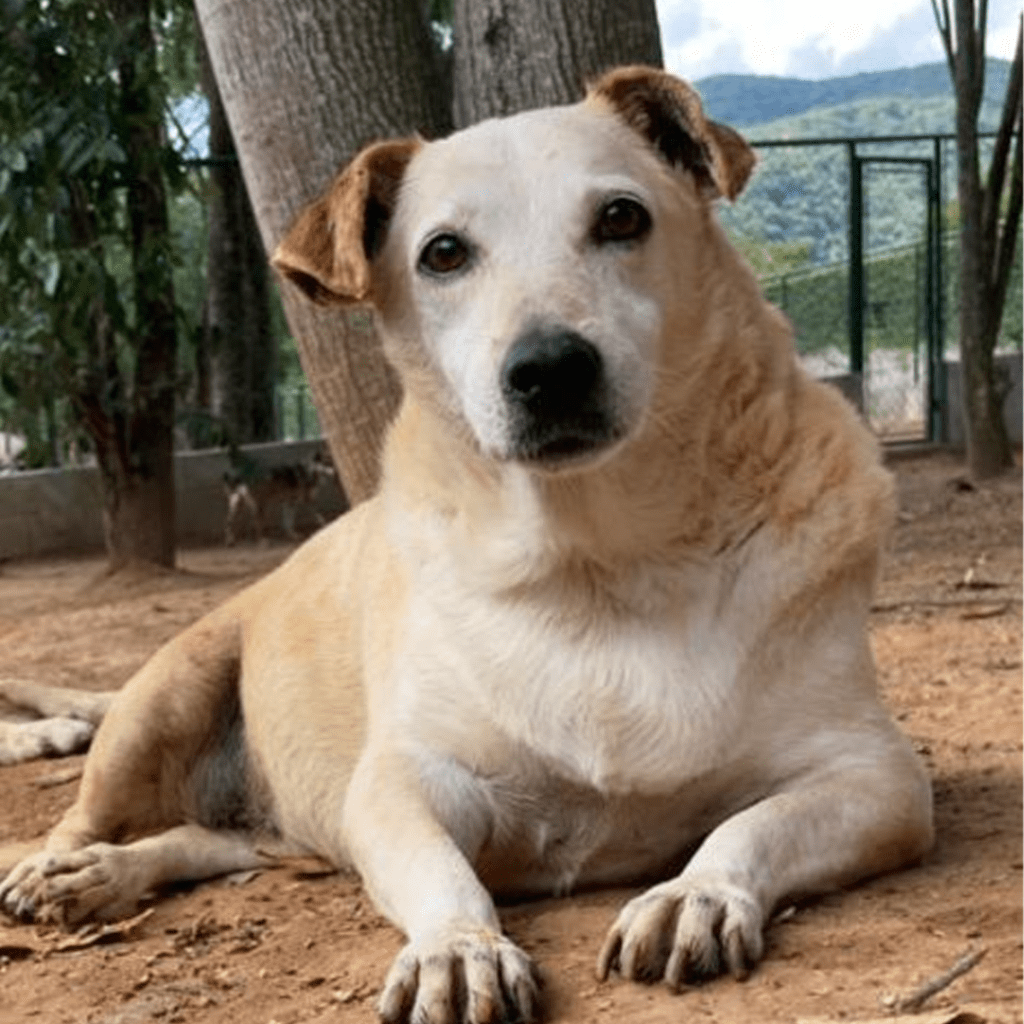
x=968, y=602
x=58, y=778
x=915, y=1000
x=92, y=935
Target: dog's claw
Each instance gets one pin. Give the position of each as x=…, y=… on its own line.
x=474, y=976
x=684, y=930
x=68, y=887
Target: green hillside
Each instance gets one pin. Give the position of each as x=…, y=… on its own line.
x=745, y=100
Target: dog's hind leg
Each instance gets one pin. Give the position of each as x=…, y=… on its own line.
x=55, y=701
x=165, y=793
x=105, y=881
x=47, y=720
x=44, y=737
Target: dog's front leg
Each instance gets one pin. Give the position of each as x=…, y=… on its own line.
x=830, y=829
x=457, y=965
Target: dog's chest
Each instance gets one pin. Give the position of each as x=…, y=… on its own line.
x=636, y=692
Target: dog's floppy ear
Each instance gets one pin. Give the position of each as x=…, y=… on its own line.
x=668, y=113
x=328, y=250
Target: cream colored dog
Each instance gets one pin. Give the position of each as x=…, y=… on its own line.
x=608, y=611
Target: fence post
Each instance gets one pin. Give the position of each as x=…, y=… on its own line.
x=937, y=357
x=856, y=257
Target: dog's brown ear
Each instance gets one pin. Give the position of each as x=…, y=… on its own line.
x=668, y=113
x=328, y=250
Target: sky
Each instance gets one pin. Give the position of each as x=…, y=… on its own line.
x=812, y=38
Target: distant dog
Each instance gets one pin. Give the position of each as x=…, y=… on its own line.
x=291, y=488
x=606, y=617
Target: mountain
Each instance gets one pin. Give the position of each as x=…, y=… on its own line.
x=744, y=100
x=877, y=116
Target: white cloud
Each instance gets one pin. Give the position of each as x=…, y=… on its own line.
x=811, y=38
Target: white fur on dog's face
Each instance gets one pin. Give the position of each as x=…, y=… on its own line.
x=523, y=197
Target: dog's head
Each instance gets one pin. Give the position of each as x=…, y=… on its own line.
x=523, y=269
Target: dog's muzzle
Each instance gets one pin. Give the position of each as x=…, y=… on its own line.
x=555, y=386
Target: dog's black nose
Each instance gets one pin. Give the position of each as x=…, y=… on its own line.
x=554, y=383
x=552, y=372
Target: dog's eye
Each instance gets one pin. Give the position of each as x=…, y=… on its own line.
x=622, y=220
x=444, y=254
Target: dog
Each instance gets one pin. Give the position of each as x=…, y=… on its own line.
x=256, y=489
x=604, y=621
x=46, y=721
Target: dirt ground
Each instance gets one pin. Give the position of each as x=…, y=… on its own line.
x=298, y=944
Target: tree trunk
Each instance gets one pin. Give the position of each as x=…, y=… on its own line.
x=513, y=55
x=305, y=84
x=237, y=344
x=140, y=480
x=988, y=449
x=985, y=254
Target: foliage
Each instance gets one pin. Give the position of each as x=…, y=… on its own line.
x=66, y=296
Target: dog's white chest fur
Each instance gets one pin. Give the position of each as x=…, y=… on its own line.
x=625, y=685
x=575, y=717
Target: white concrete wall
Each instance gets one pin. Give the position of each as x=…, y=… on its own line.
x=1013, y=408
x=53, y=511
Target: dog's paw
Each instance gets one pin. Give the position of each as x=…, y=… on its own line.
x=470, y=975
x=47, y=737
x=684, y=930
x=68, y=888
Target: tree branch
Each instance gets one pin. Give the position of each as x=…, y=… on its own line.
x=1007, y=244
x=943, y=25
x=1000, y=153
x=979, y=36
x=970, y=80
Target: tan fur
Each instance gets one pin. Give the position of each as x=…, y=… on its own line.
x=577, y=637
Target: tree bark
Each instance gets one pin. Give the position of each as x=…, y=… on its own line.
x=513, y=55
x=138, y=470
x=305, y=84
x=982, y=294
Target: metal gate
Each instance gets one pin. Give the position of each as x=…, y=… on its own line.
x=895, y=285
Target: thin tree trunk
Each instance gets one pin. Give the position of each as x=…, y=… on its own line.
x=513, y=55
x=981, y=293
x=305, y=84
x=140, y=490
x=262, y=345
